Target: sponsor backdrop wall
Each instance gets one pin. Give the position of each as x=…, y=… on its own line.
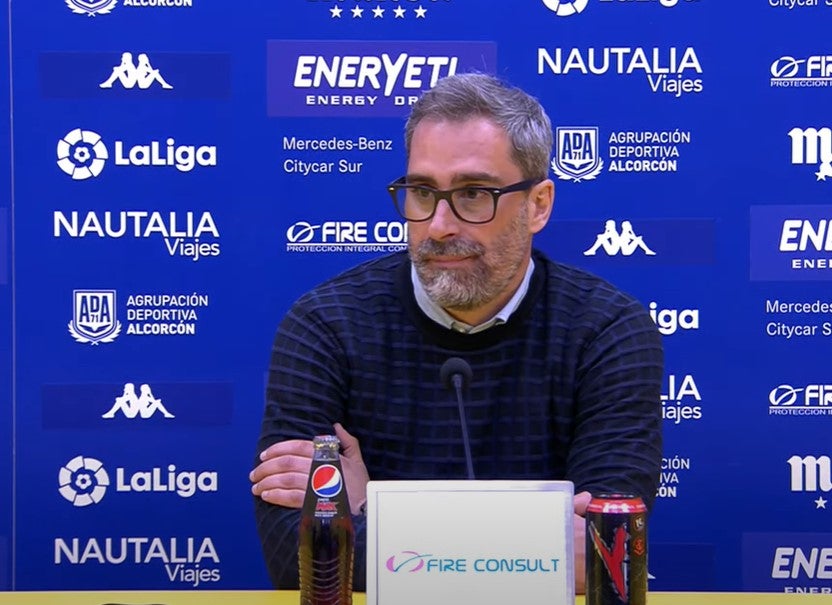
x=184, y=169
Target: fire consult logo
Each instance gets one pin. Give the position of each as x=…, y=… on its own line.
x=814, y=71
x=362, y=78
x=409, y=561
x=347, y=236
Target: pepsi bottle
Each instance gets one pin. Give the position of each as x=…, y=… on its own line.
x=327, y=536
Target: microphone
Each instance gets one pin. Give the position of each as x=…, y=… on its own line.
x=456, y=374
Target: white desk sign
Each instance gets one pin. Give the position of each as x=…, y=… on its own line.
x=459, y=542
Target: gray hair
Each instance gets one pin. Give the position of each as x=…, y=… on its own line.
x=463, y=96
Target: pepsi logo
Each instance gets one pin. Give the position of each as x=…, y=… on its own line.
x=326, y=481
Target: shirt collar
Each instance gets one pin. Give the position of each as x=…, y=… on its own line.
x=440, y=316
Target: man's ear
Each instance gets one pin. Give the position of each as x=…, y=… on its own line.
x=542, y=199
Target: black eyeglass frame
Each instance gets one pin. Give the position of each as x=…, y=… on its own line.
x=445, y=194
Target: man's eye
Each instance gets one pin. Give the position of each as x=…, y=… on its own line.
x=422, y=192
x=471, y=194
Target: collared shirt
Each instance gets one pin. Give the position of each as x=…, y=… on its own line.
x=442, y=317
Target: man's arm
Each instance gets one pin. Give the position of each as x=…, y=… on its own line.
x=305, y=396
x=617, y=437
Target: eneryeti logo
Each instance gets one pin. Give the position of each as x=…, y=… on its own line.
x=91, y=8
x=615, y=243
x=813, y=146
x=411, y=561
x=82, y=154
x=614, y=557
x=83, y=481
x=94, y=316
x=131, y=75
x=131, y=405
x=566, y=9
x=576, y=153
x=362, y=78
x=326, y=481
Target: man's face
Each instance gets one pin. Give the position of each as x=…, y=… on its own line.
x=464, y=266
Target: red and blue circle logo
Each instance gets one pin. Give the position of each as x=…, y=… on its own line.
x=326, y=481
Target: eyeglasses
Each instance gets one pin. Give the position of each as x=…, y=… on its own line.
x=472, y=204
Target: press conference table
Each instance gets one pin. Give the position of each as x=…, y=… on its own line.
x=253, y=597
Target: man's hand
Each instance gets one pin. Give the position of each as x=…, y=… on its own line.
x=581, y=501
x=355, y=472
x=283, y=473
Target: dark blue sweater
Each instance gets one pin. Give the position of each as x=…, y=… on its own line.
x=568, y=388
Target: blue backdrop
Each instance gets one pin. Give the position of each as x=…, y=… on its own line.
x=167, y=206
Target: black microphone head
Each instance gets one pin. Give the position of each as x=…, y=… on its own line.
x=452, y=367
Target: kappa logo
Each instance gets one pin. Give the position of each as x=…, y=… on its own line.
x=91, y=8
x=131, y=75
x=615, y=243
x=94, y=316
x=83, y=481
x=131, y=405
x=576, y=153
x=563, y=8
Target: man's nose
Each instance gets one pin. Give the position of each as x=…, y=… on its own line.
x=444, y=223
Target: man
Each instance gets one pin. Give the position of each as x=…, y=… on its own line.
x=567, y=369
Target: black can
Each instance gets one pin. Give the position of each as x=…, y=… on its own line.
x=616, y=550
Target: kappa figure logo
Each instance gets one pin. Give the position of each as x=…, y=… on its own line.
x=614, y=558
x=562, y=8
x=614, y=243
x=131, y=75
x=130, y=405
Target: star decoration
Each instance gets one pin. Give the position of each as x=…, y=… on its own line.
x=399, y=12
x=378, y=12
x=820, y=502
x=420, y=12
x=336, y=12
x=821, y=175
x=357, y=12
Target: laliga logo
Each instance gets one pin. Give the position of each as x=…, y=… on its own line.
x=83, y=481
x=415, y=563
x=326, y=481
x=81, y=154
x=565, y=9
